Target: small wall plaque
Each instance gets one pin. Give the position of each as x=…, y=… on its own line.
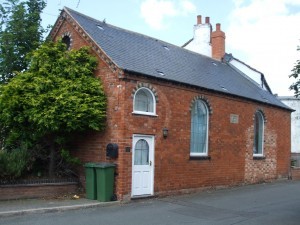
x=234, y=118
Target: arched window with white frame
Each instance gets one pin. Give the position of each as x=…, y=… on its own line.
x=144, y=102
x=199, y=129
x=258, y=147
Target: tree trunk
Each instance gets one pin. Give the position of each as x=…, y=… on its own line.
x=52, y=159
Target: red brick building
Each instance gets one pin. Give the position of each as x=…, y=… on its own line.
x=182, y=121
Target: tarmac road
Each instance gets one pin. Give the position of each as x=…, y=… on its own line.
x=272, y=203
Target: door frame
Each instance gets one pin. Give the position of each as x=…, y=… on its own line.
x=151, y=158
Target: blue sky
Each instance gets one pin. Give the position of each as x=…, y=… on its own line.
x=176, y=28
x=262, y=33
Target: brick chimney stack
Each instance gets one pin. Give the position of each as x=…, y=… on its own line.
x=205, y=41
x=199, y=19
x=218, y=43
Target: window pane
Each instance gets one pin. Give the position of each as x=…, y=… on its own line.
x=141, y=154
x=199, y=129
x=258, y=133
x=143, y=101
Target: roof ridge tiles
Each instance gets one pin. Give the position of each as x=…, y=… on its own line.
x=119, y=28
x=139, y=34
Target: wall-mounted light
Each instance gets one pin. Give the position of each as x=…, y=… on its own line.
x=165, y=132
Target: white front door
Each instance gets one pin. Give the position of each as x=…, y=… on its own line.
x=142, y=165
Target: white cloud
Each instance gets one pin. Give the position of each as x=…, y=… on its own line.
x=187, y=7
x=155, y=12
x=267, y=33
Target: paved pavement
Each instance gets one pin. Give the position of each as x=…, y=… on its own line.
x=30, y=206
x=276, y=203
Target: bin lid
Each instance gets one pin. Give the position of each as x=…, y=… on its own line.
x=104, y=165
x=89, y=164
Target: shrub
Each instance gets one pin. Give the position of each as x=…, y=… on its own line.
x=13, y=163
x=66, y=156
x=67, y=164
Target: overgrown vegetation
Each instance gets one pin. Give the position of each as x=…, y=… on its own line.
x=295, y=74
x=13, y=164
x=20, y=33
x=43, y=106
x=46, y=95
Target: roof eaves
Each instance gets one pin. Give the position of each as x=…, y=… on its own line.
x=206, y=89
x=288, y=98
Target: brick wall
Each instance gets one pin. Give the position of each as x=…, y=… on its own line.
x=91, y=146
x=8, y=192
x=295, y=173
x=230, y=145
x=275, y=164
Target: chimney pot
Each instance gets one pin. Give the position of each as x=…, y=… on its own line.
x=218, y=26
x=199, y=19
x=207, y=20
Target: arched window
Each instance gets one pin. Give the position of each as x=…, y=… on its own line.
x=141, y=154
x=258, y=134
x=67, y=41
x=199, y=129
x=144, y=102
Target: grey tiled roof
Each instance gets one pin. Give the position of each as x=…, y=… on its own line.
x=141, y=54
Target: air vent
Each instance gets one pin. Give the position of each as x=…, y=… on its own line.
x=166, y=47
x=225, y=89
x=100, y=27
x=160, y=73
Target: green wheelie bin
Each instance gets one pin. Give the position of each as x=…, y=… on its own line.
x=90, y=181
x=105, y=176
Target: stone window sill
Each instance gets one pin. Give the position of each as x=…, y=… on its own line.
x=144, y=114
x=259, y=157
x=200, y=158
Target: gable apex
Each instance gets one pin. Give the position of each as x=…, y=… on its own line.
x=64, y=16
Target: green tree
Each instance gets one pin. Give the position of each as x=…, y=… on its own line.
x=20, y=33
x=57, y=96
x=295, y=74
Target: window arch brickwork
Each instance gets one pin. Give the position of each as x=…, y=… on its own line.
x=262, y=113
x=69, y=36
x=145, y=85
x=204, y=99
